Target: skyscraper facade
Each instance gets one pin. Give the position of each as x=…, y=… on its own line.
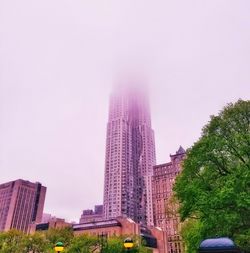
x=130, y=157
x=21, y=203
x=164, y=208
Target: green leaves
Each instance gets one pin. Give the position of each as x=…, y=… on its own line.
x=10, y=242
x=64, y=235
x=36, y=243
x=214, y=185
x=83, y=244
x=44, y=242
x=14, y=241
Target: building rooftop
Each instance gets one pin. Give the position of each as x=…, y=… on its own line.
x=181, y=150
x=97, y=224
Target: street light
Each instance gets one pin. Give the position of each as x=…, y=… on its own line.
x=128, y=243
x=102, y=238
x=59, y=247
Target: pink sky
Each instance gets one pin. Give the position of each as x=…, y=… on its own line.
x=58, y=63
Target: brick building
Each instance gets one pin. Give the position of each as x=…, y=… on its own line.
x=154, y=237
x=53, y=222
x=165, y=208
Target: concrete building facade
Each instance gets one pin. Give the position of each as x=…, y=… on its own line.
x=90, y=215
x=165, y=208
x=53, y=222
x=130, y=156
x=21, y=203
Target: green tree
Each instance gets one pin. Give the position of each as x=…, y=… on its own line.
x=192, y=233
x=11, y=242
x=84, y=244
x=116, y=244
x=15, y=241
x=35, y=243
x=90, y=244
x=55, y=235
x=214, y=186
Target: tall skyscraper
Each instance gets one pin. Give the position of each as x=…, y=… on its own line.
x=130, y=157
x=165, y=209
x=21, y=203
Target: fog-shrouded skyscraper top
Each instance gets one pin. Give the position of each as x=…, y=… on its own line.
x=130, y=156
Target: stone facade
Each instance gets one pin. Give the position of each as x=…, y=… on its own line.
x=165, y=208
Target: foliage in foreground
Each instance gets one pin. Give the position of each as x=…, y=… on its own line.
x=214, y=186
x=43, y=242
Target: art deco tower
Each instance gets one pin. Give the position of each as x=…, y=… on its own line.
x=130, y=157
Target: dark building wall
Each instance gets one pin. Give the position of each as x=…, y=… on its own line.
x=21, y=203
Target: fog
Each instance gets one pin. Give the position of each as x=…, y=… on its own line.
x=59, y=62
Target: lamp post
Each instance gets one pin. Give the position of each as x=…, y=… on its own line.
x=102, y=240
x=59, y=247
x=128, y=244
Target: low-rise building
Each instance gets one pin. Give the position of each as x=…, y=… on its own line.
x=121, y=226
x=90, y=215
x=53, y=222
